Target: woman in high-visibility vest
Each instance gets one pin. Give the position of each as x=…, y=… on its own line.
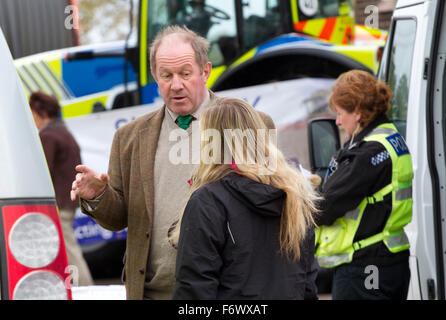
x=367, y=196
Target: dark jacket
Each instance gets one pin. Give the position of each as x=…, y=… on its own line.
x=360, y=172
x=62, y=155
x=229, y=246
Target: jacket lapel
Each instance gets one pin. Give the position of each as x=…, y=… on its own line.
x=148, y=142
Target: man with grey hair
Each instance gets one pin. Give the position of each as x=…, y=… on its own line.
x=144, y=190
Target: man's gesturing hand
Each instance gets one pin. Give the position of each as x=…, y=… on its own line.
x=88, y=183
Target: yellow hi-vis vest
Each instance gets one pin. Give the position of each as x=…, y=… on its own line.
x=334, y=243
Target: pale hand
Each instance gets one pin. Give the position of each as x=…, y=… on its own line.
x=315, y=180
x=88, y=183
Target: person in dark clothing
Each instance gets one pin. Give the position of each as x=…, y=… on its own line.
x=62, y=155
x=366, y=196
x=247, y=231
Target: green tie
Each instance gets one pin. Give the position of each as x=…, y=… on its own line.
x=184, y=121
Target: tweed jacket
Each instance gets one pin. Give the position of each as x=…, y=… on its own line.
x=128, y=200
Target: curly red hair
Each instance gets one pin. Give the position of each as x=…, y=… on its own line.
x=360, y=91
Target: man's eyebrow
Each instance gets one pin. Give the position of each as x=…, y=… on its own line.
x=164, y=69
x=182, y=68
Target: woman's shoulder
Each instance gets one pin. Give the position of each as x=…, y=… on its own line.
x=56, y=133
x=371, y=146
x=205, y=203
x=209, y=190
x=363, y=148
x=216, y=193
x=364, y=155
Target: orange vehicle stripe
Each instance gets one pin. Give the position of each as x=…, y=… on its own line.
x=328, y=28
x=299, y=26
x=347, y=35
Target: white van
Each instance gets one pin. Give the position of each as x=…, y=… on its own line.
x=33, y=261
x=413, y=64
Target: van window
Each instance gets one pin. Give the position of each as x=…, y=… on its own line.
x=398, y=72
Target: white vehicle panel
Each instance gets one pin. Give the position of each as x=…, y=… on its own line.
x=24, y=172
x=421, y=237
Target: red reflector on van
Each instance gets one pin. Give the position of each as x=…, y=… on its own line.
x=36, y=260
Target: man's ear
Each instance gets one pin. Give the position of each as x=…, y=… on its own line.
x=153, y=74
x=207, y=70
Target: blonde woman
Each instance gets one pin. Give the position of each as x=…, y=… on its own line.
x=247, y=229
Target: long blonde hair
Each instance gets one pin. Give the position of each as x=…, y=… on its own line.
x=242, y=134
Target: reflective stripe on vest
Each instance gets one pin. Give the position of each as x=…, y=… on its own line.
x=403, y=194
x=382, y=130
x=333, y=260
x=335, y=244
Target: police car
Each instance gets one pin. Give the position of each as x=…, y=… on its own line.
x=33, y=261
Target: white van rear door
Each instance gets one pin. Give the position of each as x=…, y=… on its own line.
x=436, y=141
x=23, y=168
x=406, y=67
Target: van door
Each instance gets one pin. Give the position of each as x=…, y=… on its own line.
x=436, y=139
x=412, y=65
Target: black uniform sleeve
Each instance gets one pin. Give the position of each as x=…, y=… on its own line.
x=202, y=238
x=361, y=171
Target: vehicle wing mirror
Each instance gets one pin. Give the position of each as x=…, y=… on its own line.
x=98, y=107
x=323, y=142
